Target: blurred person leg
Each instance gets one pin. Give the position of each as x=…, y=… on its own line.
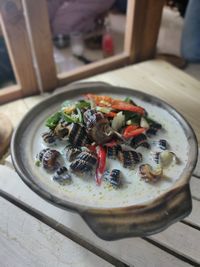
x=78, y=15
x=190, y=43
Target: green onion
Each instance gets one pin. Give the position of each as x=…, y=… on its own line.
x=79, y=115
x=134, y=117
x=83, y=104
x=53, y=120
x=70, y=118
x=129, y=100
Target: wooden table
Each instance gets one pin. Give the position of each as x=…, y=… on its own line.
x=35, y=233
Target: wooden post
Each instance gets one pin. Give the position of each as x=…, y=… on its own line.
x=142, y=28
x=16, y=37
x=41, y=40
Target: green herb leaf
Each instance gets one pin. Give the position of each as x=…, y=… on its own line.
x=134, y=117
x=149, y=120
x=70, y=118
x=38, y=163
x=53, y=120
x=129, y=100
x=82, y=104
x=79, y=115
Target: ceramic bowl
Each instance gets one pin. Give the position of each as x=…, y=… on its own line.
x=138, y=209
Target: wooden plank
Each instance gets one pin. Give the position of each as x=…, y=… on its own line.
x=41, y=39
x=133, y=251
x=195, y=188
x=142, y=27
x=181, y=239
x=16, y=37
x=10, y=93
x=31, y=101
x=24, y=241
x=93, y=68
x=197, y=168
x=14, y=111
x=179, y=80
x=194, y=218
x=132, y=77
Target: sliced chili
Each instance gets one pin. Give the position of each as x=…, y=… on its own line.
x=101, y=153
x=133, y=133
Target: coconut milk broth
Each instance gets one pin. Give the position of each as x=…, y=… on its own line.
x=134, y=190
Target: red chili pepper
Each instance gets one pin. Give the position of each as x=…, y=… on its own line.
x=110, y=114
x=129, y=129
x=111, y=144
x=101, y=153
x=91, y=147
x=121, y=105
x=103, y=101
x=99, y=98
x=133, y=133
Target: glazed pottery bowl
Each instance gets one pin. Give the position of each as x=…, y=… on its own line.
x=139, y=208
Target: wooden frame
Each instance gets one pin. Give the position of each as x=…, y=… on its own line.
x=142, y=27
x=14, y=31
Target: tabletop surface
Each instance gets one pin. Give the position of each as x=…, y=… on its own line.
x=36, y=233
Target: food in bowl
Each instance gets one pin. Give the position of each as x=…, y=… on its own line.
x=101, y=136
x=122, y=204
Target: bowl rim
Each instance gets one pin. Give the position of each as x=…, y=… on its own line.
x=65, y=204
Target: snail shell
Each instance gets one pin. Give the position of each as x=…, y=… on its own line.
x=140, y=140
x=62, y=129
x=86, y=161
x=98, y=126
x=62, y=176
x=49, y=159
x=147, y=173
x=77, y=135
x=113, y=177
x=112, y=152
x=167, y=158
x=129, y=158
x=72, y=153
x=153, y=128
x=49, y=137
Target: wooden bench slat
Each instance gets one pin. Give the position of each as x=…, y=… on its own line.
x=134, y=251
x=195, y=188
x=14, y=111
x=194, y=217
x=24, y=241
x=182, y=239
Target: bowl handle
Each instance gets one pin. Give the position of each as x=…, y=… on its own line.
x=143, y=220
